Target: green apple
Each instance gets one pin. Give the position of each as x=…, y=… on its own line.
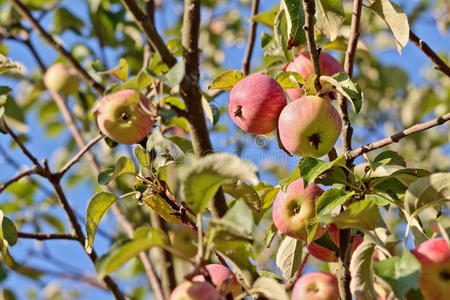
x=62, y=79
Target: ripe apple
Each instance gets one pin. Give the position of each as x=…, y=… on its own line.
x=316, y=286
x=183, y=240
x=62, y=79
x=124, y=117
x=256, y=102
x=223, y=278
x=194, y=290
x=324, y=254
x=293, y=209
x=309, y=126
x=434, y=256
x=302, y=64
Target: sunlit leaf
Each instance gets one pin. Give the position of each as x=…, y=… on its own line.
x=361, y=284
x=270, y=288
x=245, y=192
x=363, y=214
x=330, y=17
x=289, y=80
x=226, y=80
x=289, y=256
x=124, y=165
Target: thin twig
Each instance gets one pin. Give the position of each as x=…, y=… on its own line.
x=439, y=63
x=309, y=6
x=251, y=39
x=20, y=144
x=47, y=236
x=16, y=178
x=398, y=136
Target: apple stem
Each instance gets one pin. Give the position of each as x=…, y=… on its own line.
x=314, y=140
x=238, y=112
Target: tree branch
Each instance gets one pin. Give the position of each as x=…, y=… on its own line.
x=439, y=63
x=398, y=136
x=309, y=6
x=47, y=236
x=251, y=39
x=17, y=178
x=21, y=145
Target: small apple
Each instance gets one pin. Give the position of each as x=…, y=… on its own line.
x=302, y=64
x=62, y=79
x=434, y=257
x=324, y=254
x=316, y=286
x=183, y=240
x=256, y=102
x=195, y=290
x=124, y=117
x=293, y=209
x=223, y=278
x=309, y=126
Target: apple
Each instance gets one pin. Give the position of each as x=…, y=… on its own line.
x=223, y=278
x=183, y=240
x=302, y=64
x=324, y=254
x=316, y=286
x=309, y=126
x=62, y=79
x=195, y=290
x=294, y=208
x=124, y=117
x=434, y=257
x=256, y=102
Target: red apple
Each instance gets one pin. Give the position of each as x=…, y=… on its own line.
x=124, y=117
x=195, y=291
x=62, y=79
x=302, y=64
x=183, y=240
x=223, y=278
x=256, y=102
x=324, y=254
x=434, y=256
x=293, y=209
x=316, y=286
x=309, y=126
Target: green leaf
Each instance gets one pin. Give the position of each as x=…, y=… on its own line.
x=363, y=214
x=327, y=242
x=98, y=205
x=269, y=274
x=211, y=111
x=156, y=203
x=142, y=155
x=289, y=256
x=144, y=239
x=225, y=81
x=330, y=17
x=266, y=18
x=280, y=32
x=266, y=195
x=311, y=168
x=8, y=230
x=295, y=19
x=124, y=165
x=7, y=65
x=175, y=101
x=396, y=20
x=401, y=273
x=408, y=176
x=157, y=141
x=120, y=71
x=387, y=158
x=4, y=92
x=333, y=177
x=240, y=214
x=270, y=234
x=269, y=288
x=285, y=182
x=203, y=177
x=341, y=83
x=176, y=73
x=241, y=190
x=361, y=272
x=330, y=199
x=290, y=80
x=183, y=144
x=63, y=20
x=137, y=83
x=266, y=40
x=380, y=199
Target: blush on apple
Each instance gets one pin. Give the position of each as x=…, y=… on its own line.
x=324, y=254
x=223, y=278
x=309, y=126
x=293, y=209
x=316, y=286
x=62, y=79
x=195, y=290
x=302, y=64
x=256, y=102
x=124, y=117
x=434, y=257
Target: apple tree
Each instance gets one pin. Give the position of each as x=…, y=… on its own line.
x=209, y=149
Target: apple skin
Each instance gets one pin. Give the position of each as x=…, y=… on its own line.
x=62, y=79
x=316, y=286
x=121, y=117
x=309, y=126
x=182, y=239
x=302, y=64
x=256, y=102
x=292, y=210
x=223, y=278
x=327, y=255
x=195, y=291
x=434, y=257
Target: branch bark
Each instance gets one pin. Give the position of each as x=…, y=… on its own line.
x=251, y=39
x=399, y=135
x=309, y=6
x=47, y=236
